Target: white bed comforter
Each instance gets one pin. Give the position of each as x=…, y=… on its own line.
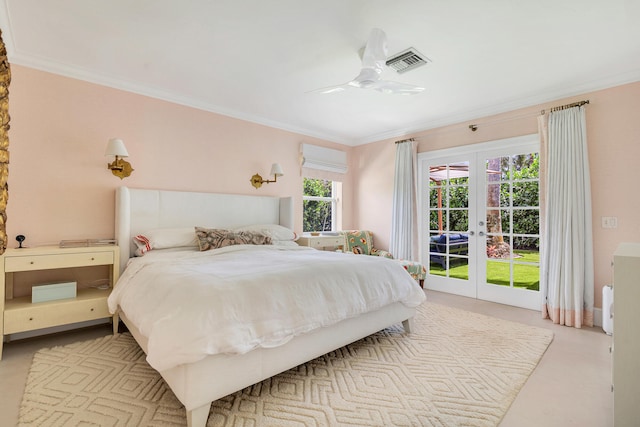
x=191, y=304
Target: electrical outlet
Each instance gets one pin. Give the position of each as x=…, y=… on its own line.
x=609, y=222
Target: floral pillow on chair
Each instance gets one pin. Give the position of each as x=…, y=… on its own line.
x=361, y=242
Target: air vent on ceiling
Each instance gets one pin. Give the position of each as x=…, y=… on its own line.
x=407, y=60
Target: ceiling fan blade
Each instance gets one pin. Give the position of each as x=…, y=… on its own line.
x=375, y=52
x=332, y=89
x=373, y=62
x=398, y=88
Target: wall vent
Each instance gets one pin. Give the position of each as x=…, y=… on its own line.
x=407, y=60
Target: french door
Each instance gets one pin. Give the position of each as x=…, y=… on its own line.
x=479, y=210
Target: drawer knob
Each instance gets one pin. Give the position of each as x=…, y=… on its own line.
x=30, y=318
x=31, y=262
x=93, y=259
x=91, y=309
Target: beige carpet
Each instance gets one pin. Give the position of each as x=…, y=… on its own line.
x=457, y=369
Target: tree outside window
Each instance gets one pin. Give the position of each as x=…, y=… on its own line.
x=319, y=205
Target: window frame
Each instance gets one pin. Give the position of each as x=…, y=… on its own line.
x=334, y=200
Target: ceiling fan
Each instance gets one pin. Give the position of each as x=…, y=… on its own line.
x=373, y=62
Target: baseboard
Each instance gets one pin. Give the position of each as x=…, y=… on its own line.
x=597, y=317
x=55, y=329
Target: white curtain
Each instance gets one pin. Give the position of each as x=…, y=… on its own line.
x=566, y=277
x=403, y=220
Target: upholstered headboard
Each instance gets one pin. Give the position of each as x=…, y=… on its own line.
x=139, y=210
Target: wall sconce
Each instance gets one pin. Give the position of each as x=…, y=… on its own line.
x=276, y=171
x=119, y=167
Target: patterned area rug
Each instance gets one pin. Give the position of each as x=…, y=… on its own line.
x=456, y=369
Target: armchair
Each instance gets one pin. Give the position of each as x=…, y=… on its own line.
x=361, y=242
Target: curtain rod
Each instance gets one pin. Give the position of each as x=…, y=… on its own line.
x=405, y=140
x=522, y=116
x=564, y=107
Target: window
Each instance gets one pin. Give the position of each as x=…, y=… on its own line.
x=320, y=205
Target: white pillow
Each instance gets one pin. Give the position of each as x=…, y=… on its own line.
x=275, y=231
x=164, y=238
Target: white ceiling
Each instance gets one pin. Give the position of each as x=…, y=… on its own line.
x=257, y=60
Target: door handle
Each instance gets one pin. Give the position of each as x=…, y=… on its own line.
x=471, y=233
x=481, y=233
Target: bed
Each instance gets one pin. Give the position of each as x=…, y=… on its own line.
x=212, y=371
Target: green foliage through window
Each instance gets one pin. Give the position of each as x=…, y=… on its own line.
x=318, y=205
x=516, y=183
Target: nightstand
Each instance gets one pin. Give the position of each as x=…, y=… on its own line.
x=20, y=315
x=321, y=242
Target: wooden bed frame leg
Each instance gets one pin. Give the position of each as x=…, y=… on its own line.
x=408, y=325
x=198, y=417
x=115, y=321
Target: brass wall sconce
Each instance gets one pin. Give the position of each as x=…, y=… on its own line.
x=276, y=171
x=119, y=167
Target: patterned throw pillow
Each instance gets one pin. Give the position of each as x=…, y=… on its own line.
x=213, y=238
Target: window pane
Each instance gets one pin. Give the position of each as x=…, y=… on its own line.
x=437, y=174
x=459, y=181
x=493, y=169
x=493, y=195
x=525, y=193
x=454, y=174
x=316, y=215
x=498, y=221
x=526, y=221
x=498, y=195
x=319, y=215
x=458, y=197
x=317, y=187
x=528, y=244
x=436, y=197
x=505, y=218
x=459, y=220
x=526, y=166
x=498, y=247
x=498, y=273
x=505, y=168
x=526, y=277
x=438, y=220
x=505, y=194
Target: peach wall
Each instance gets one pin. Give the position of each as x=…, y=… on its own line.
x=614, y=151
x=60, y=188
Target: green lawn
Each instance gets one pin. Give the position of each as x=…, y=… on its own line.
x=525, y=276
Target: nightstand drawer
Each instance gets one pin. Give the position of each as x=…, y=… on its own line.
x=27, y=317
x=320, y=242
x=45, y=262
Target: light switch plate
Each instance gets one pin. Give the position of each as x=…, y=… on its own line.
x=609, y=222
